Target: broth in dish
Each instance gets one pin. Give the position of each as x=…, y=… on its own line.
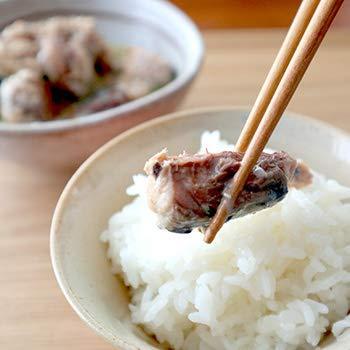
x=276, y=279
x=61, y=67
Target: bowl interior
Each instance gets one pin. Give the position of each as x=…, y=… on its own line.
x=155, y=25
x=97, y=190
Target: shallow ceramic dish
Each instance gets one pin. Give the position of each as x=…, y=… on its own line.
x=97, y=190
x=156, y=25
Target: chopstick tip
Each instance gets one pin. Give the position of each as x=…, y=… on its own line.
x=216, y=224
x=208, y=236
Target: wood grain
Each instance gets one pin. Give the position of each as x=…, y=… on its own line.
x=240, y=13
x=35, y=315
x=249, y=13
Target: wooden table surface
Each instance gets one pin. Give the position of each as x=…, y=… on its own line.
x=34, y=313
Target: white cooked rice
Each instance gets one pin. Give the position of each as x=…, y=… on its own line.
x=273, y=280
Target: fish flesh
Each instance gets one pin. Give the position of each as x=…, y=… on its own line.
x=186, y=190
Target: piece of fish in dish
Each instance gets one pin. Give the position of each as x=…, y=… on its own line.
x=19, y=47
x=186, y=190
x=24, y=97
x=142, y=72
x=69, y=50
x=65, y=49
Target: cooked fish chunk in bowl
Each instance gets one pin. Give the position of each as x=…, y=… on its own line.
x=73, y=78
x=185, y=191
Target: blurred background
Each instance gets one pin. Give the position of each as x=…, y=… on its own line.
x=249, y=13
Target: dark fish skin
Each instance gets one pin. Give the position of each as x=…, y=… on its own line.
x=185, y=191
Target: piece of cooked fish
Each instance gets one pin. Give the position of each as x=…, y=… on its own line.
x=64, y=49
x=24, y=97
x=185, y=191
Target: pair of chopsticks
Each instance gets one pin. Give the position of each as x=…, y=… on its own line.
x=304, y=37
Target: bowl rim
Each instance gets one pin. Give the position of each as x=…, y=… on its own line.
x=84, y=169
x=180, y=81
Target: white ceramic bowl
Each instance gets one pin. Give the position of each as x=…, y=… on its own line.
x=97, y=190
x=156, y=25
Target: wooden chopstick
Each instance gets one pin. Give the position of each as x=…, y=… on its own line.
x=310, y=42
x=290, y=43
